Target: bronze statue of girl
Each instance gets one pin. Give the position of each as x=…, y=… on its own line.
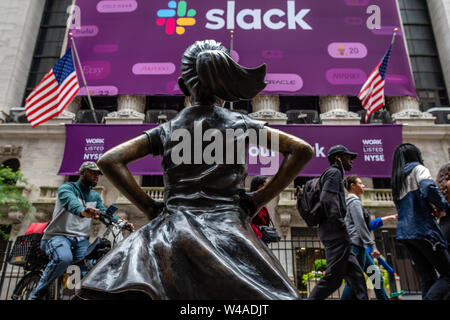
x=199, y=243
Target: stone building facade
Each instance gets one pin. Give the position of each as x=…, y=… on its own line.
x=39, y=150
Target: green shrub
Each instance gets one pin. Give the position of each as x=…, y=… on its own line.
x=320, y=265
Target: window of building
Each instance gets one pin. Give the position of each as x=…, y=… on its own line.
x=49, y=42
x=299, y=103
x=152, y=181
x=423, y=54
x=381, y=183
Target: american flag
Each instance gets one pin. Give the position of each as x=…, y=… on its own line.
x=55, y=91
x=372, y=92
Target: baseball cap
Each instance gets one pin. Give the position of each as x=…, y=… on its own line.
x=338, y=149
x=89, y=165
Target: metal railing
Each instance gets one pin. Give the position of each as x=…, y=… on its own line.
x=9, y=275
x=302, y=259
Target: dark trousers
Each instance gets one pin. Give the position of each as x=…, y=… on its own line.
x=426, y=262
x=341, y=265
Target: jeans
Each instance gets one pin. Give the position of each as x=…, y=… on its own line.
x=365, y=261
x=62, y=252
x=426, y=261
x=341, y=265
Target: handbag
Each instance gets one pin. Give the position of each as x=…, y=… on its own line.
x=269, y=233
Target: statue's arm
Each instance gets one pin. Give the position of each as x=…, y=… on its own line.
x=114, y=166
x=297, y=153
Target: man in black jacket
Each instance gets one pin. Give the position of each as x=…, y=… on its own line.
x=341, y=262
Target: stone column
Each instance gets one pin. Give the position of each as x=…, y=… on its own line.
x=440, y=20
x=334, y=110
x=266, y=108
x=130, y=109
x=406, y=110
x=19, y=28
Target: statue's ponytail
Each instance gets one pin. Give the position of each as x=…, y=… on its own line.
x=208, y=69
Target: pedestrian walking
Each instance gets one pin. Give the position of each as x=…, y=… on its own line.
x=357, y=221
x=443, y=183
x=341, y=262
x=414, y=193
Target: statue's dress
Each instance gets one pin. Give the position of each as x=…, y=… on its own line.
x=201, y=246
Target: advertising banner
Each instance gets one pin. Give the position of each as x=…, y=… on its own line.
x=311, y=47
x=375, y=145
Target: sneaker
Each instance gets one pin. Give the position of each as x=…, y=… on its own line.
x=41, y=295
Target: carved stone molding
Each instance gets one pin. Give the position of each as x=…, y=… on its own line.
x=16, y=217
x=126, y=113
x=74, y=106
x=10, y=150
x=284, y=218
x=130, y=109
x=271, y=117
x=406, y=110
x=285, y=223
x=266, y=108
x=42, y=216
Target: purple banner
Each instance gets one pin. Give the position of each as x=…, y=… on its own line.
x=375, y=145
x=311, y=47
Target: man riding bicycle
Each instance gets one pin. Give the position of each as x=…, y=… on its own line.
x=65, y=239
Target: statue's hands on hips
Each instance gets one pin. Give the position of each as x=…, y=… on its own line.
x=158, y=207
x=247, y=202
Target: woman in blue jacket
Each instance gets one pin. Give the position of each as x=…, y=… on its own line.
x=414, y=193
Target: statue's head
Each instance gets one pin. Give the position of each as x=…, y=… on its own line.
x=209, y=74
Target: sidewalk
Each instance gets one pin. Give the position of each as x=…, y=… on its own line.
x=412, y=297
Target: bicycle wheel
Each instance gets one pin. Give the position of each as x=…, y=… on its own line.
x=26, y=285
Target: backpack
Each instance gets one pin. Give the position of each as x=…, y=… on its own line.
x=308, y=202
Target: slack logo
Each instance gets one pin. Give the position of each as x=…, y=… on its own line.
x=254, y=19
x=177, y=24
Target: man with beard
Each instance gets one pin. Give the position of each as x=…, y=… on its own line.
x=341, y=262
x=65, y=239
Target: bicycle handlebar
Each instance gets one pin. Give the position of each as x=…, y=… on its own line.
x=107, y=218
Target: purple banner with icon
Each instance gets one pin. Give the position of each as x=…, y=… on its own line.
x=311, y=47
x=375, y=145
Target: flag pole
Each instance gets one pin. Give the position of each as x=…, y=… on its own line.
x=82, y=76
x=392, y=43
x=393, y=36
x=231, y=52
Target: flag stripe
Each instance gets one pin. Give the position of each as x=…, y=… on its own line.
x=41, y=84
x=36, y=104
x=371, y=94
x=56, y=112
x=53, y=98
x=55, y=101
x=55, y=91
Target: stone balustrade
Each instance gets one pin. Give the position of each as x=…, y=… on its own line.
x=48, y=194
x=372, y=198
x=156, y=193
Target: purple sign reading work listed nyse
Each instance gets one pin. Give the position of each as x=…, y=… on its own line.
x=375, y=145
x=311, y=47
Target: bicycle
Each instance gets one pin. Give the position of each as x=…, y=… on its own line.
x=34, y=260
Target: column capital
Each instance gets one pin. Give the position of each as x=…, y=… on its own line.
x=130, y=109
x=406, y=110
x=334, y=110
x=266, y=108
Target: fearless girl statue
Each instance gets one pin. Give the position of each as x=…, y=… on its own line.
x=199, y=243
